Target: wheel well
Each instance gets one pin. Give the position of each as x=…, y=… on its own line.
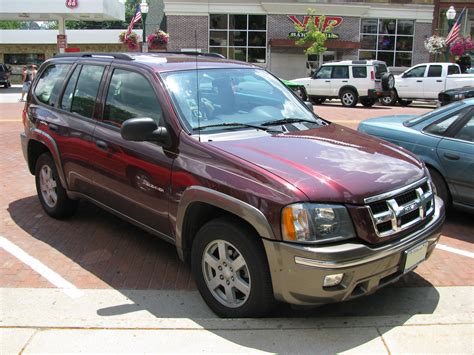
x=348, y=87
x=198, y=214
x=35, y=149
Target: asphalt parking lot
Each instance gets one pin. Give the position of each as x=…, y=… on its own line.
x=101, y=284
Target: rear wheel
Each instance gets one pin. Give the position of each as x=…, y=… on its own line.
x=367, y=102
x=52, y=195
x=348, y=98
x=230, y=267
x=404, y=103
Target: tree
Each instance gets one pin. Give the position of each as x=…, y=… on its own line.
x=313, y=33
x=10, y=25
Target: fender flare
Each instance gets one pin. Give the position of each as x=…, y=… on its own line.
x=247, y=212
x=350, y=87
x=48, y=141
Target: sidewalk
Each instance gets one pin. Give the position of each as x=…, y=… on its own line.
x=393, y=321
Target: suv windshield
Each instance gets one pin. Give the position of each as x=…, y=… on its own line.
x=238, y=96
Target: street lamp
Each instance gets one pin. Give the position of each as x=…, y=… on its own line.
x=144, y=11
x=450, y=16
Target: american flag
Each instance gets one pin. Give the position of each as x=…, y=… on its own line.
x=137, y=17
x=454, y=33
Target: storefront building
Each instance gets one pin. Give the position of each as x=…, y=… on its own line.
x=260, y=32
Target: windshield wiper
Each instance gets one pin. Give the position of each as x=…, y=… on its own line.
x=292, y=120
x=238, y=124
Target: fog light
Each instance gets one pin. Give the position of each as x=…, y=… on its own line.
x=332, y=280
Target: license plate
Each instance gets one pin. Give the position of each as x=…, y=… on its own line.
x=415, y=255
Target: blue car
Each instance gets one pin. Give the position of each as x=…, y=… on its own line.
x=444, y=140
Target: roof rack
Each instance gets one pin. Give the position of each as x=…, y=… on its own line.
x=215, y=55
x=122, y=56
x=359, y=62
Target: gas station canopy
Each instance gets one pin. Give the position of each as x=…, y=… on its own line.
x=60, y=10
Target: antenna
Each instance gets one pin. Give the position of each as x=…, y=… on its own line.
x=197, y=86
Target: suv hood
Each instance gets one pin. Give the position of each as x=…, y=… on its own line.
x=331, y=163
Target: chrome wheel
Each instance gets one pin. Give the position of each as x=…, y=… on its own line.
x=226, y=273
x=48, y=186
x=348, y=98
x=387, y=100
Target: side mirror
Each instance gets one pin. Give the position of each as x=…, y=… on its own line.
x=143, y=129
x=404, y=75
x=309, y=105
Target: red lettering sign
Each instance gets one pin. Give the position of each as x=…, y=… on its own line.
x=72, y=3
x=329, y=20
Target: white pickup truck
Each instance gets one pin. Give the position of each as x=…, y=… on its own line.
x=425, y=81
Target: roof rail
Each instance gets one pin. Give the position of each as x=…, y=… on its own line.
x=122, y=56
x=359, y=62
x=215, y=55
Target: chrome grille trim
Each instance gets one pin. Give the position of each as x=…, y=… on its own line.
x=416, y=210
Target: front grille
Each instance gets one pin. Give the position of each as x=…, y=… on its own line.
x=399, y=210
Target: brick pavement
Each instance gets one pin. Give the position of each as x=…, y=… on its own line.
x=95, y=249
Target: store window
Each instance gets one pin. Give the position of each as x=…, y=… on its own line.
x=240, y=37
x=389, y=40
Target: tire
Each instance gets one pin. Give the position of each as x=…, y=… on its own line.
x=253, y=296
x=441, y=188
x=390, y=100
x=301, y=93
x=348, y=98
x=404, y=103
x=388, y=81
x=317, y=100
x=52, y=195
x=367, y=102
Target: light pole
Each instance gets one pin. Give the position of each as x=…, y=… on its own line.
x=144, y=11
x=450, y=16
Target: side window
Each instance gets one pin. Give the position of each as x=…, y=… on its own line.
x=359, y=72
x=453, y=69
x=417, y=72
x=324, y=73
x=66, y=100
x=50, y=83
x=340, y=72
x=466, y=133
x=435, y=71
x=439, y=128
x=85, y=93
x=130, y=95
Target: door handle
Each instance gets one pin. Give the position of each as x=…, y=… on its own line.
x=419, y=81
x=439, y=81
x=344, y=81
x=327, y=81
x=53, y=127
x=102, y=145
x=451, y=156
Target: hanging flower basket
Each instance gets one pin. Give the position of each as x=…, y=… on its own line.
x=461, y=46
x=131, y=41
x=435, y=44
x=158, y=39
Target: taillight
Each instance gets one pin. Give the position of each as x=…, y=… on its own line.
x=372, y=75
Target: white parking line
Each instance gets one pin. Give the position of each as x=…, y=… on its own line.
x=56, y=279
x=455, y=251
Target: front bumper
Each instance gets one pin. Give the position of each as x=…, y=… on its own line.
x=298, y=271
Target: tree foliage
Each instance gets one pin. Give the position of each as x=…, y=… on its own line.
x=313, y=35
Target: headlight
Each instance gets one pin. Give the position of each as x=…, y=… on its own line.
x=316, y=223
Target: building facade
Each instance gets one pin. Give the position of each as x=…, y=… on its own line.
x=261, y=32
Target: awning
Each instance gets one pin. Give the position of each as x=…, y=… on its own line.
x=329, y=44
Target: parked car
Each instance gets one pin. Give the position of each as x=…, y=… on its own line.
x=444, y=140
x=298, y=89
x=264, y=199
x=351, y=81
x=5, y=76
x=448, y=96
x=425, y=81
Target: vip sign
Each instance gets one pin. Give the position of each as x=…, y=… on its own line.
x=72, y=3
x=333, y=21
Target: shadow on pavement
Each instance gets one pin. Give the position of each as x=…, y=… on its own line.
x=130, y=261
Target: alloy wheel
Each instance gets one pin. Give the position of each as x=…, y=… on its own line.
x=48, y=186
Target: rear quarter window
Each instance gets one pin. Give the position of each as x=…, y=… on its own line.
x=50, y=83
x=359, y=72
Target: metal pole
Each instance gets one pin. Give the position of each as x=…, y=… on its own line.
x=450, y=26
x=62, y=30
x=144, y=43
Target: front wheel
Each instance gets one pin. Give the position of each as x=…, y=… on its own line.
x=230, y=267
x=348, y=98
x=367, y=102
x=404, y=103
x=301, y=93
x=441, y=188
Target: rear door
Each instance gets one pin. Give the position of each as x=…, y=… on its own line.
x=133, y=177
x=434, y=81
x=339, y=78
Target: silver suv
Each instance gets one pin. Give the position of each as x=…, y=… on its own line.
x=351, y=81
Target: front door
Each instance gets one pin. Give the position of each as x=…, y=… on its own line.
x=411, y=83
x=133, y=177
x=320, y=84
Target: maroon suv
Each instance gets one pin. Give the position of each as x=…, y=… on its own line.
x=264, y=199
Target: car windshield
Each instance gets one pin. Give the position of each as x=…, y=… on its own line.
x=234, y=99
x=440, y=111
